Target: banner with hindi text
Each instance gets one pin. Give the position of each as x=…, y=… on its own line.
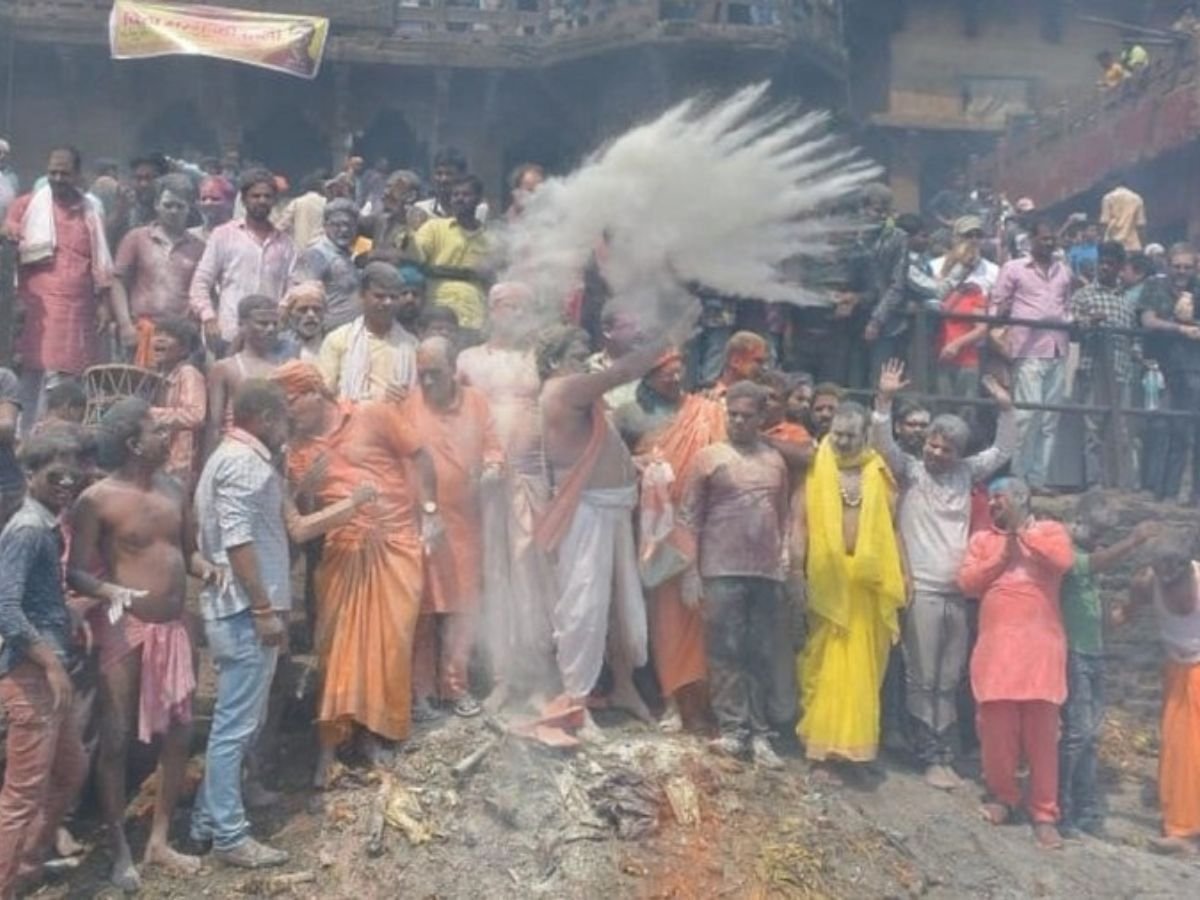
x=284, y=43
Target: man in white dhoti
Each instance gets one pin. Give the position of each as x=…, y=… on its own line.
x=588, y=523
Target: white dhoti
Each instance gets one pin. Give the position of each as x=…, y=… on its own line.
x=519, y=583
x=598, y=574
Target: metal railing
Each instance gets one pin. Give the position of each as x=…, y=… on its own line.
x=1030, y=138
x=1116, y=456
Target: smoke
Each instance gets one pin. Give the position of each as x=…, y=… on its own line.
x=719, y=194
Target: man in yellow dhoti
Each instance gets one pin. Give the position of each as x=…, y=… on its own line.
x=856, y=588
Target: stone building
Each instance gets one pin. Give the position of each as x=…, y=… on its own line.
x=504, y=80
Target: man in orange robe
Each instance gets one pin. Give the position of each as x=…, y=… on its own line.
x=370, y=577
x=665, y=424
x=456, y=426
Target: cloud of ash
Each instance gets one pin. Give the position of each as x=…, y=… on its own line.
x=719, y=194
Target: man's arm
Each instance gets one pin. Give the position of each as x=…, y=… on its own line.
x=85, y=557
x=983, y=564
x=303, y=528
x=17, y=552
x=192, y=410
x=125, y=268
x=891, y=382
x=329, y=359
x=1107, y=557
x=586, y=388
x=796, y=456
x=1004, y=292
x=692, y=506
x=10, y=408
x=426, y=476
x=217, y=391
x=204, y=279
x=893, y=290
x=311, y=265
x=984, y=463
x=1049, y=544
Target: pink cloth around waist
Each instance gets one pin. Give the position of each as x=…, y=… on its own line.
x=168, y=678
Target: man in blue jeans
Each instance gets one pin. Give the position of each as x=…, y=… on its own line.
x=245, y=520
x=1035, y=287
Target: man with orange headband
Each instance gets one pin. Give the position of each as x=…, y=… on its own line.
x=369, y=580
x=746, y=355
x=668, y=426
x=456, y=426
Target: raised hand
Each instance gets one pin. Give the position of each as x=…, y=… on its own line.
x=1146, y=531
x=891, y=379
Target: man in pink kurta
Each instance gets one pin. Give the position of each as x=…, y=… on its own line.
x=1018, y=669
x=64, y=268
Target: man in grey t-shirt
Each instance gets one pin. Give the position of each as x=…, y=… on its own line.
x=934, y=523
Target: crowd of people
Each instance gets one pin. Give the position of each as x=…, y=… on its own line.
x=495, y=511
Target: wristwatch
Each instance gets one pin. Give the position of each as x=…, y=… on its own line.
x=429, y=507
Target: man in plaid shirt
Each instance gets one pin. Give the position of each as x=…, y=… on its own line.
x=1095, y=308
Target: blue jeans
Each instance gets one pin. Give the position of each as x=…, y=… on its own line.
x=245, y=669
x=1079, y=800
x=1037, y=381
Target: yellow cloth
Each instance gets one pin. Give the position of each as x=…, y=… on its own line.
x=443, y=242
x=853, y=603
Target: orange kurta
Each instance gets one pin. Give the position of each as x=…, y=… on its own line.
x=1179, y=762
x=676, y=632
x=369, y=579
x=461, y=440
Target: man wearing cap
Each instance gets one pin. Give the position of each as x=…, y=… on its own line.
x=374, y=356
x=972, y=279
x=328, y=260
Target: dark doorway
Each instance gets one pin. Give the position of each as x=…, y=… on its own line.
x=390, y=137
x=287, y=141
x=179, y=130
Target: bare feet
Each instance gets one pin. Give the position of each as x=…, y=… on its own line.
x=588, y=732
x=378, y=751
x=625, y=696
x=943, y=778
x=1047, y=836
x=497, y=699
x=1175, y=846
x=65, y=844
x=255, y=796
x=124, y=875
x=995, y=813
x=171, y=860
x=672, y=721
x=325, y=760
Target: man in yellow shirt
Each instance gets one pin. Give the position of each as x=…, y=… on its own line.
x=455, y=253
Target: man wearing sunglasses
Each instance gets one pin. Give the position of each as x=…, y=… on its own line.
x=46, y=763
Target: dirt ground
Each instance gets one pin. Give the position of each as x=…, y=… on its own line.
x=644, y=815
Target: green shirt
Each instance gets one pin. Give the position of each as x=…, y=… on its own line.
x=1083, y=615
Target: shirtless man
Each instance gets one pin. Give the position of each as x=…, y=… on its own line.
x=258, y=323
x=132, y=526
x=588, y=522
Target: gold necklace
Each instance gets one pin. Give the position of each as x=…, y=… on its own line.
x=851, y=496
